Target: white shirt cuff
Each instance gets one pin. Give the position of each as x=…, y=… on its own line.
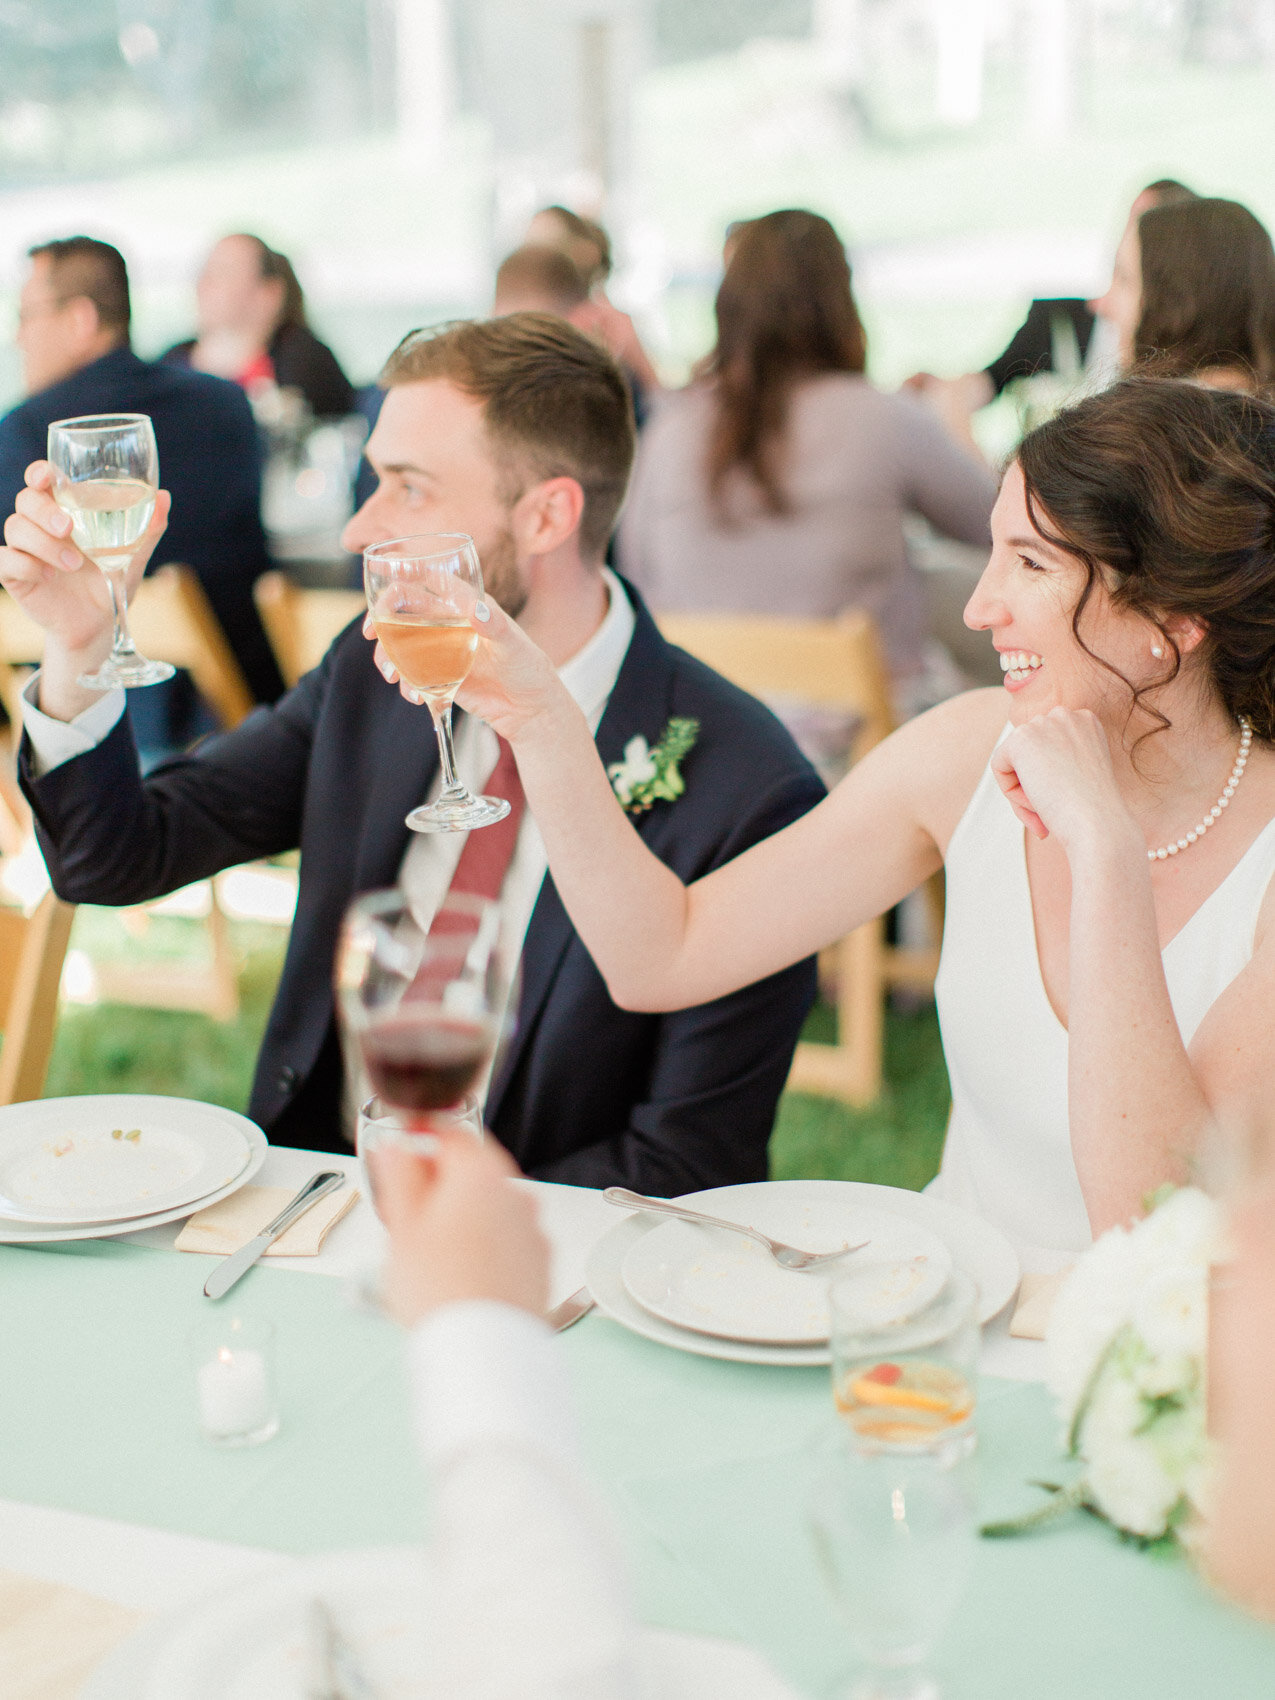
x=56, y=741
x=484, y=1372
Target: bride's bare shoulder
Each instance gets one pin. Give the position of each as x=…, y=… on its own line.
x=944, y=751
x=966, y=726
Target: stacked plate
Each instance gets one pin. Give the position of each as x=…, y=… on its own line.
x=721, y=1295
x=86, y=1168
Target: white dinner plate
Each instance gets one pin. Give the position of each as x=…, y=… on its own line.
x=247, y=1642
x=716, y=1282
x=43, y=1233
x=978, y=1249
x=80, y=1162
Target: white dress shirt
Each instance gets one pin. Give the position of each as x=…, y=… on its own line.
x=431, y=858
x=532, y=1601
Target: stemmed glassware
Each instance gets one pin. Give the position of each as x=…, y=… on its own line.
x=420, y=593
x=105, y=476
x=893, y=1507
x=422, y=1002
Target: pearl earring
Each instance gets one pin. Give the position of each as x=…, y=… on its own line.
x=1157, y=651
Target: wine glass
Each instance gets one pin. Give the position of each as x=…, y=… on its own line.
x=420, y=592
x=105, y=475
x=893, y=1508
x=422, y=1002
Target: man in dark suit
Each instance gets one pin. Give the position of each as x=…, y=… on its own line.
x=74, y=339
x=518, y=431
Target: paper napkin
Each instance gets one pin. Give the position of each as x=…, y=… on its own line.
x=1036, y=1298
x=52, y=1637
x=224, y=1227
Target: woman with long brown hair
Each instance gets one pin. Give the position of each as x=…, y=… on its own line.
x=779, y=480
x=1193, y=295
x=1107, y=823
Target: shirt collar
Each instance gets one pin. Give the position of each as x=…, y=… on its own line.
x=591, y=672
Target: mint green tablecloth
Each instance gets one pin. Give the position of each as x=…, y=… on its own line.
x=703, y=1461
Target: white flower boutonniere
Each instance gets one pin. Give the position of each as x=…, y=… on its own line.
x=647, y=775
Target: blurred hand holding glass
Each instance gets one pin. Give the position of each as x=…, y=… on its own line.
x=894, y=1510
x=422, y=1001
x=420, y=594
x=105, y=476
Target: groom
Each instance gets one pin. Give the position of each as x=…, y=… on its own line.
x=519, y=432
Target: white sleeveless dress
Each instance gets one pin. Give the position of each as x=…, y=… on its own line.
x=1008, y=1150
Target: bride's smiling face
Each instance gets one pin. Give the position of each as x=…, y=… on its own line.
x=1026, y=598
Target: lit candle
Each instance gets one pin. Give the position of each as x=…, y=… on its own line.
x=234, y=1393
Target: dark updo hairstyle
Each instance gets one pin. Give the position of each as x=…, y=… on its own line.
x=1165, y=490
x=1208, y=291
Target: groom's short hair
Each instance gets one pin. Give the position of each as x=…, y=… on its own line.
x=555, y=404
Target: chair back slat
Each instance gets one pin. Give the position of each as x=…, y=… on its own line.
x=300, y=623
x=831, y=663
x=32, y=950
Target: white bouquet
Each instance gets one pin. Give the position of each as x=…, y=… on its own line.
x=1126, y=1347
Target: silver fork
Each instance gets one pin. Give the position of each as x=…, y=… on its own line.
x=786, y=1256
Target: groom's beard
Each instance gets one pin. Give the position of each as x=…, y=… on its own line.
x=502, y=580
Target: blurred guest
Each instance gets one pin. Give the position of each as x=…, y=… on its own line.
x=538, y=279
x=1193, y=296
x=778, y=482
x=531, y=1593
x=587, y=244
x=582, y=240
x=252, y=328
x=73, y=336
x=1058, y=335
x=1239, y=1541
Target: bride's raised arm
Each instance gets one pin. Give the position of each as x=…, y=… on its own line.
x=662, y=945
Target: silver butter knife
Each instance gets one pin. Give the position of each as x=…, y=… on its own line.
x=579, y=1304
x=239, y=1262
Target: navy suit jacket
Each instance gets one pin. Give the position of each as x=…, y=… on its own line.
x=209, y=459
x=587, y=1093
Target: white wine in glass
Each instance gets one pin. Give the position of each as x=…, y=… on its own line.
x=420, y=591
x=105, y=476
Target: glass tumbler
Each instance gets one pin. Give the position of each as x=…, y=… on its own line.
x=893, y=1510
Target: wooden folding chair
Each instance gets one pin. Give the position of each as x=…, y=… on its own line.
x=301, y=624
x=833, y=664
x=171, y=620
x=32, y=949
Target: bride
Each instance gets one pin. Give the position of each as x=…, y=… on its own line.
x=1107, y=823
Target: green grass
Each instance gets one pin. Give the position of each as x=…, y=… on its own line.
x=895, y=1142
x=118, y=1048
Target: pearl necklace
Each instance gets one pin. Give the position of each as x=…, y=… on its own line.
x=1215, y=813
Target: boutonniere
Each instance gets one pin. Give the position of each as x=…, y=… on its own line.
x=647, y=775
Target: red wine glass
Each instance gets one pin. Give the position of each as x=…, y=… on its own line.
x=423, y=999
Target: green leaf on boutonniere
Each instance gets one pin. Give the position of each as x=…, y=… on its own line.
x=649, y=775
